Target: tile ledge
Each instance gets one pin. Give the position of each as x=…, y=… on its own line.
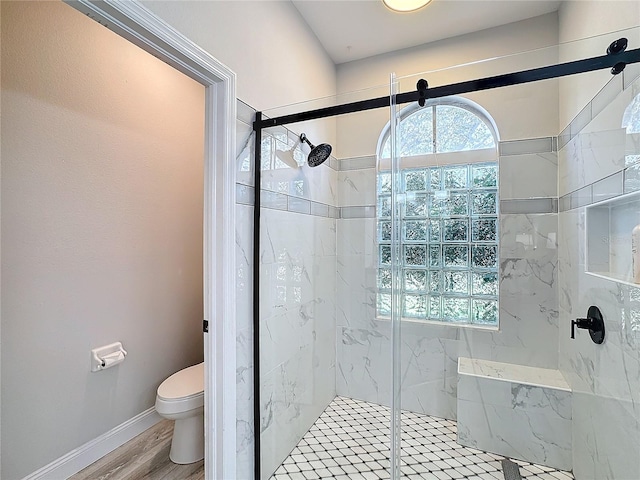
x=509, y=372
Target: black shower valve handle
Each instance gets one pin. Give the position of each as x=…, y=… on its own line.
x=594, y=323
x=585, y=323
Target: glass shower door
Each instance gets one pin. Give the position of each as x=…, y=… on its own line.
x=396, y=282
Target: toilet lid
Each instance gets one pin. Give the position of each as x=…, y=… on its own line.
x=184, y=383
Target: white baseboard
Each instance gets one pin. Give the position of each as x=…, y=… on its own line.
x=94, y=450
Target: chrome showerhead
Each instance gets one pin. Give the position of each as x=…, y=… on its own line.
x=318, y=154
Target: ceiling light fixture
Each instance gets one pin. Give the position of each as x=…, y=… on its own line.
x=405, y=5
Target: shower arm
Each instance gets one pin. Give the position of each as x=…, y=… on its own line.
x=304, y=139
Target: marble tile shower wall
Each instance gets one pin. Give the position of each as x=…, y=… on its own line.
x=605, y=379
x=528, y=263
x=297, y=296
x=244, y=292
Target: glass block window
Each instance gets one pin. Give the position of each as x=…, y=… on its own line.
x=441, y=128
x=449, y=222
x=631, y=116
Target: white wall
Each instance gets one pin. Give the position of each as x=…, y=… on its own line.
x=102, y=204
x=277, y=58
x=357, y=134
x=584, y=19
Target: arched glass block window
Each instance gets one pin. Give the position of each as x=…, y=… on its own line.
x=449, y=219
x=451, y=125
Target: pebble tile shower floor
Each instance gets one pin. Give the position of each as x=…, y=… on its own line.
x=350, y=441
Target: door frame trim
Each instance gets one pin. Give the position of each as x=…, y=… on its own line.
x=134, y=22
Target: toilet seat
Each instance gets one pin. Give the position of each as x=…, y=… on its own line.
x=182, y=391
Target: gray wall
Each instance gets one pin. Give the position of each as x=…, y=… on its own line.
x=102, y=203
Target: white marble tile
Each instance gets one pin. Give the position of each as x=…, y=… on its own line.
x=529, y=176
x=357, y=212
x=508, y=372
x=273, y=200
x=299, y=205
x=529, y=236
x=488, y=391
x=606, y=436
x=286, y=237
x=589, y=157
x=244, y=403
x=297, y=333
x=244, y=155
x=356, y=274
x=528, y=291
x=364, y=364
x=428, y=365
x=571, y=254
x=608, y=187
x=292, y=399
x=541, y=437
x=316, y=184
x=357, y=163
x=244, y=340
x=605, y=379
x=438, y=397
x=356, y=290
x=244, y=194
x=530, y=322
x=610, y=369
x=357, y=236
x=282, y=336
x=357, y=187
x=529, y=206
x=319, y=209
x=244, y=266
x=530, y=145
x=569, y=175
x=582, y=197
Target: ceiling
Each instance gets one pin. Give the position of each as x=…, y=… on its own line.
x=354, y=29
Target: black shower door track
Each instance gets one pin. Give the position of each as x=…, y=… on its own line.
x=615, y=61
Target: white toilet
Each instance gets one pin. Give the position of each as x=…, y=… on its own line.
x=181, y=398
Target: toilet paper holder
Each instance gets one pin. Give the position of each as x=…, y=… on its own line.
x=107, y=356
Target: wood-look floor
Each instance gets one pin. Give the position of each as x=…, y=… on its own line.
x=144, y=457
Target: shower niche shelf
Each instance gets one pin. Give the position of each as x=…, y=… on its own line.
x=608, y=237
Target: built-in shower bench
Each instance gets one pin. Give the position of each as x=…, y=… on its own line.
x=518, y=411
